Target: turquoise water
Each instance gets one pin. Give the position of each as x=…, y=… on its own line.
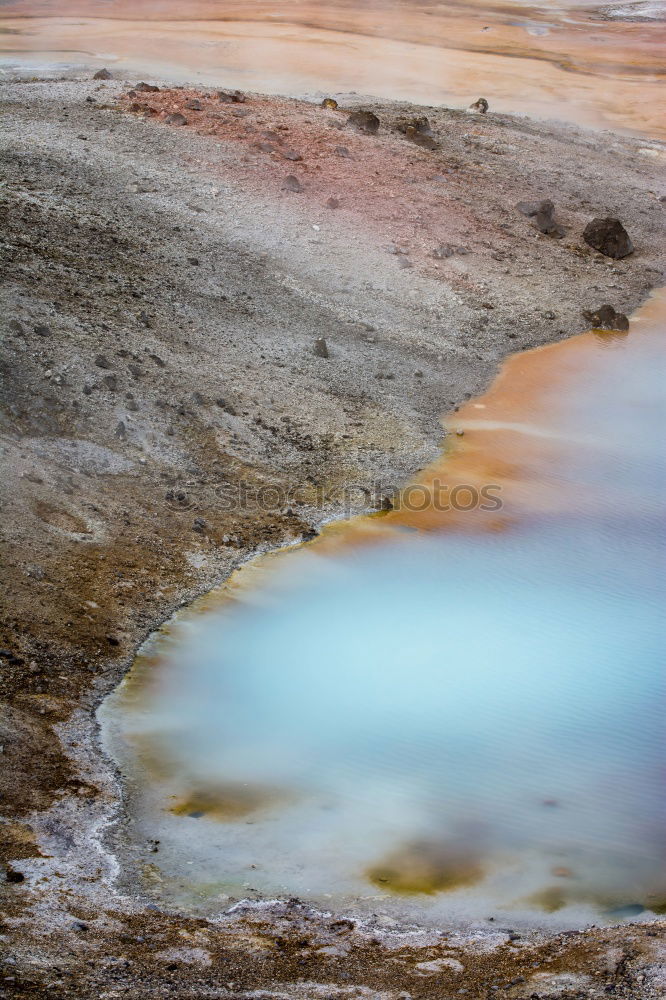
x=440, y=726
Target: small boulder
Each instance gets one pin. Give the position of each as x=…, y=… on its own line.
x=421, y=125
x=364, y=121
x=292, y=183
x=545, y=223
x=291, y=154
x=530, y=208
x=194, y=105
x=146, y=88
x=103, y=74
x=421, y=139
x=231, y=97
x=606, y=318
x=176, y=119
x=609, y=237
x=329, y=102
x=102, y=361
x=343, y=152
x=479, y=107
x=321, y=347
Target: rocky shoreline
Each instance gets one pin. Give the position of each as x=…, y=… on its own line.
x=166, y=292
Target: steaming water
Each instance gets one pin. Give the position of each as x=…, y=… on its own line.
x=599, y=64
x=443, y=725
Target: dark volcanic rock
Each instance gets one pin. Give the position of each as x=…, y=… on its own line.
x=605, y=318
x=231, y=96
x=364, y=121
x=146, y=88
x=176, y=119
x=292, y=183
x=321, y=347
x=609, y=237
x=421, y=125
x=194, y=105
x=481, y=106
x=103, y=74
x=421, y=138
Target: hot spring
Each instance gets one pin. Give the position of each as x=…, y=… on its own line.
x=446, y=716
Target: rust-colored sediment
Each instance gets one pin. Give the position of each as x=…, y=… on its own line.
x=524, y=59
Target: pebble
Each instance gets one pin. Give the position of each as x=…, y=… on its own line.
x=292, y=183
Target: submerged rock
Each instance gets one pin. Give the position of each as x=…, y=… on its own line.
x=606, y=318
x=364, y=121
x=609, y=237
x=321, y=348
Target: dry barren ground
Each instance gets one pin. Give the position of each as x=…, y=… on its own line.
x=165, y=282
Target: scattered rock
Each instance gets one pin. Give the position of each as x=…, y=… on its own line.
x=332, y=203
x=103, y=74
x=404, y=262
x=42, y=330
x=329, y=102
x=342, y=151
x=231, y=97
x=176, y=119
x=15, y=877
x=291, y=154
x=194, y=105
x=292, y=183
x=102, y=361
x=265, y=147
x=15, y=327
x=606, y=318
x=544, y=222
x=479, y=107
x=421, y=139
x=321, y=348
x=199, y=525
x=111, y=382
x=146, y=88
x=609, y=237
x=446, y=250
x=227, y=407
x=531, y=208
x=542, y=213
x=421, y=125
x=364, y=121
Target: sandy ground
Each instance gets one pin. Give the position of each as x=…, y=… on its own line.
x=164, y=288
